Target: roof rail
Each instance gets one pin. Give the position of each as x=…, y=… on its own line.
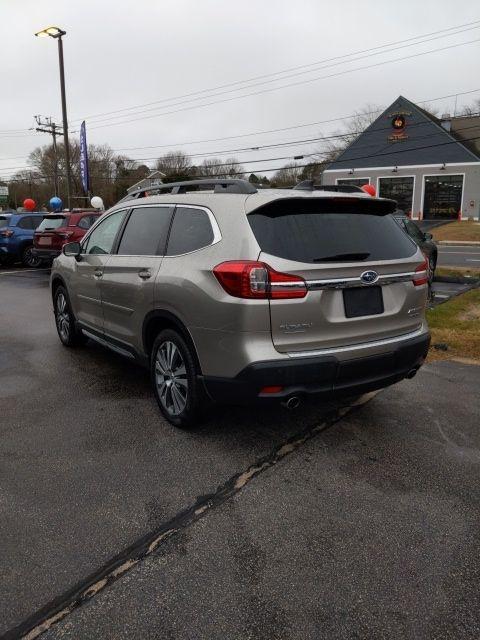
x=228, y=185
x=308, y=185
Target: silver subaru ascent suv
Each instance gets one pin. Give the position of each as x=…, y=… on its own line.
x=234, y=295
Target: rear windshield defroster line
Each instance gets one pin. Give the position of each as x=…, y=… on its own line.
x=316, y=230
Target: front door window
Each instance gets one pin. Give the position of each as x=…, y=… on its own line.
x=101, y=240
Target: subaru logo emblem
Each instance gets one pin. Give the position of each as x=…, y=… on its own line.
x=369, y=277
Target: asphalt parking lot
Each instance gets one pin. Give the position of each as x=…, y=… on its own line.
x=364, y=525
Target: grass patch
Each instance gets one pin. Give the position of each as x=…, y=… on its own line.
x=457, y=271
x=456, y=323
x=466, y=230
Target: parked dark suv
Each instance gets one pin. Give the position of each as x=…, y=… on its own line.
x=58, y=228
x=424, y=240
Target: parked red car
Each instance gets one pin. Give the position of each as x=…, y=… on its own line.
x=58, y=228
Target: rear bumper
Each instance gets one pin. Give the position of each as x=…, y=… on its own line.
x=46, y=254
x=325, y=376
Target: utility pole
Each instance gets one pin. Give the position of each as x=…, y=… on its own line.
x=57, y=33
x=51, y=128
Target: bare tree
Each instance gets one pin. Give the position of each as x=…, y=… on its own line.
x=471, y=109
x=218, y=168
x=351, y=129
x=287, y=176
x=110, y=174
x=176, y=165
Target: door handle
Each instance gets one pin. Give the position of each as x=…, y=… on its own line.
x=144, y=274
x=98, y=273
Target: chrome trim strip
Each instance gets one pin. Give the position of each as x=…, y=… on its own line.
x=344, y=283
x=358, y=347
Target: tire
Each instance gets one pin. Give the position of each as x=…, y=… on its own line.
x=29, y=259
x=432, y=264
x=174, y=379
x=67, y=330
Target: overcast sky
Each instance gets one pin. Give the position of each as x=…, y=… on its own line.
x=121, y=54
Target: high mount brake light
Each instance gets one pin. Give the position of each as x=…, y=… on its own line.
x=257, y=280
x=421, y=274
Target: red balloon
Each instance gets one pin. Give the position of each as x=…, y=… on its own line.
x=370, y=189
x=29, y=204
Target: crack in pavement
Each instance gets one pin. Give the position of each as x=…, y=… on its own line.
x=59, y=608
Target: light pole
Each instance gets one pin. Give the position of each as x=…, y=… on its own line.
x=57, y=33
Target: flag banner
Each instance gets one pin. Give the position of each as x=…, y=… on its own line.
x=84, y=159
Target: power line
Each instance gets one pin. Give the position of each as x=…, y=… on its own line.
x=468, y=26
x=254, y=93
x=283, y=144
x=263, y=170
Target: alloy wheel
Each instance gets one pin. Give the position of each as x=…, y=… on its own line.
x=30, y=259
x=171, y=378
x=62, y=317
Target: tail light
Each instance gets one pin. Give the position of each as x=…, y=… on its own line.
x=421, y=274
x=249, y=279
x=65, y=234
x=6, y=233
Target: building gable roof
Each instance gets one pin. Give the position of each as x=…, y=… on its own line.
x=422, y=141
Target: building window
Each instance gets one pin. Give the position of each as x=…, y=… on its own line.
x=353, y=182
x=399, y=189
x=442, y=198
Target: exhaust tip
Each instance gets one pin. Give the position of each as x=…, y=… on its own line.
x=292, y=403
x=412, y=373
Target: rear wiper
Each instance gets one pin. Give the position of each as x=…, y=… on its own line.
x=343, y=257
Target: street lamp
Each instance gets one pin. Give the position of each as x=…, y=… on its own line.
x=56, y=32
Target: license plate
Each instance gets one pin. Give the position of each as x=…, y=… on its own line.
x=44, y=241
x=363, y=301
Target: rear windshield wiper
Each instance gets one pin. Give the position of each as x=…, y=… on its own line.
x=343, y=257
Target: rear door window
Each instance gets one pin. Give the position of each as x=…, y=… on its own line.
x=330, y=230
x=146, y=232
x=191, y=230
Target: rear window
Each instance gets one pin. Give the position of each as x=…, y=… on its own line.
x=329, y=230
x=4, y=222
x=52, y=223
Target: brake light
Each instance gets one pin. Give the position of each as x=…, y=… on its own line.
x=6, y=233
x=249, y=279
x=421, y=274
x=64, y=234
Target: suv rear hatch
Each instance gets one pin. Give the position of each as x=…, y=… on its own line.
x=330, y=243
x=52, y=232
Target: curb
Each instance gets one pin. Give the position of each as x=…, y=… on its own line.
x=467, y=243
x=458, y=280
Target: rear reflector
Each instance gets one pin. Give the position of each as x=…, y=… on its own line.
x=250, y=279
x=421, y=274
x=272, y=389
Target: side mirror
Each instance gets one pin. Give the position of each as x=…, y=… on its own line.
x=72, y=249
x=427, y=236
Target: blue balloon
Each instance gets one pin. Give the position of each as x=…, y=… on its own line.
x=55, y=203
